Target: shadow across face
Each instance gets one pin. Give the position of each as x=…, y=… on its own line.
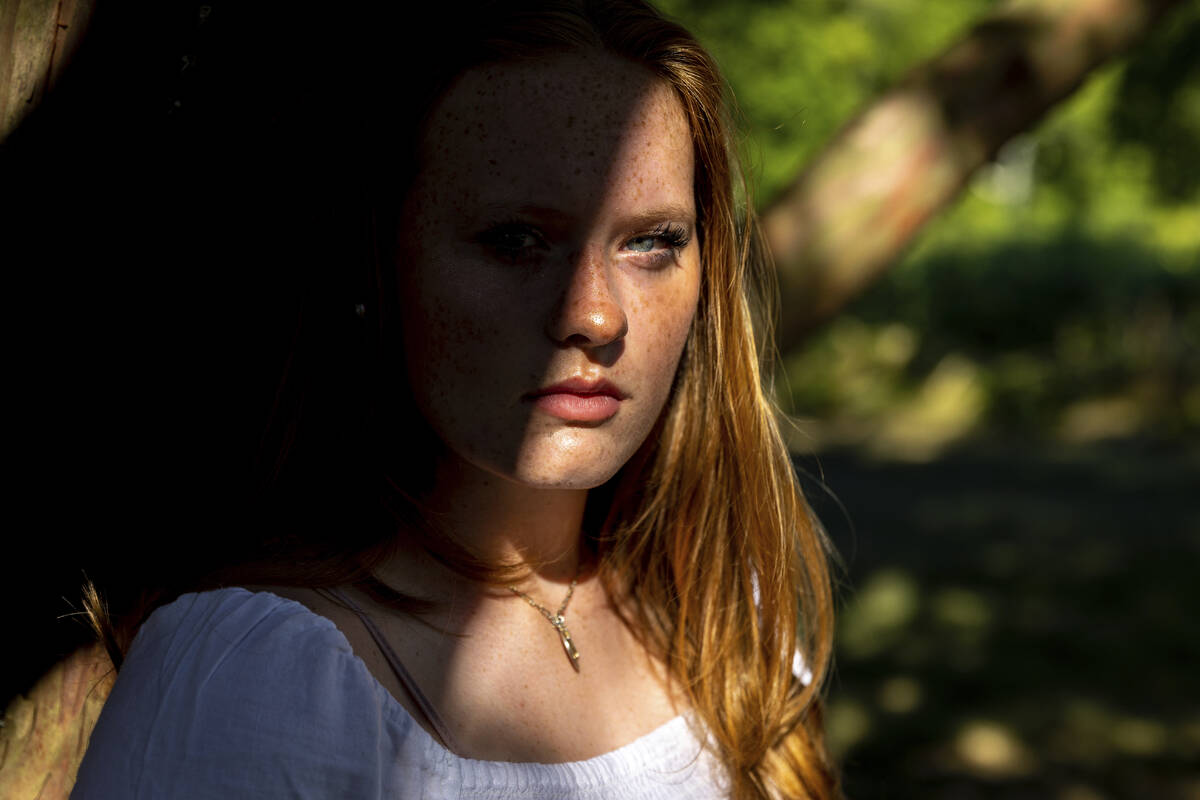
x=548, y=266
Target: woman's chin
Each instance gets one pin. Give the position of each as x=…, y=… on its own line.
x=563, y=476
x=579, y=460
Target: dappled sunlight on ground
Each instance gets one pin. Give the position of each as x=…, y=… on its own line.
x=883, y=610
x=899, y=694
x=948, y=405
x=989, y=749
x=1017, y=621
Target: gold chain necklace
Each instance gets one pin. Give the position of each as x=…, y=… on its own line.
x=557, y=620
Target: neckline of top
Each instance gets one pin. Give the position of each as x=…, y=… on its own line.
x=675, y=736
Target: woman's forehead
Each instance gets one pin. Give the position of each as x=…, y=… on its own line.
x=575, y=122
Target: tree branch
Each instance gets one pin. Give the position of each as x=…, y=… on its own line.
x=850, y=214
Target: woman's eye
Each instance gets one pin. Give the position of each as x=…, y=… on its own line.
x=515, y=240
x=512, y=240
x=662, y=243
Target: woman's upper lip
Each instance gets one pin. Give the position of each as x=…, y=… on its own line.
x=581, y=386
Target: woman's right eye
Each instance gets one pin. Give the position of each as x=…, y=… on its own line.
x=513, y=240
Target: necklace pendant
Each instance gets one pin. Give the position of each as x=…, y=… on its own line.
x=565, y=635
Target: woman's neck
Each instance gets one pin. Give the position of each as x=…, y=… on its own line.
x=506, y=522
x=501, y=521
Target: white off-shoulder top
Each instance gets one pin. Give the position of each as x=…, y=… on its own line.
x=231, y=693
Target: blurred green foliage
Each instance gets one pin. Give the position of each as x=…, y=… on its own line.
x=800, y=69
x=1059, y=293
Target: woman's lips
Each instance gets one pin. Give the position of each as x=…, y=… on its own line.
x=578, y=401
x=578, y=407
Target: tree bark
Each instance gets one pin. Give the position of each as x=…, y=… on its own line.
x=856, y=206
x=37, y=40
x=44, y=736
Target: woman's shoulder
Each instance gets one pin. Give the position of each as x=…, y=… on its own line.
x=231, y=689
x=231, y=618
x=230, y=630
x=234, y=645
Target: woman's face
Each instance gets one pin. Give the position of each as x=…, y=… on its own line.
x=549, y=266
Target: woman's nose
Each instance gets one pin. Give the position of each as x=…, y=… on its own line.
x=589, y=312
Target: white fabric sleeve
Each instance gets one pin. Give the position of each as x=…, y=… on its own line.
x=232, y=694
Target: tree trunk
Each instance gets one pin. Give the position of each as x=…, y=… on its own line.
x=37, y=40
x=852, y=211
x=44, y=736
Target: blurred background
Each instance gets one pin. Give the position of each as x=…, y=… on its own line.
x=1002, y=434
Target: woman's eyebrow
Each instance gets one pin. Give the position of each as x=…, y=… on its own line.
x=671, y=212
x=656, y=216
x=546, y=214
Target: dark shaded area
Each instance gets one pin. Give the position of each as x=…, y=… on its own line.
x=1052, y=594
x=93, y=280
x=164, y=213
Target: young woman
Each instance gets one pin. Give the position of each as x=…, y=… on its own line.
x=543, y=538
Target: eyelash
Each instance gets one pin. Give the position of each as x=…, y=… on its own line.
x=499, y=237
x=675, y=236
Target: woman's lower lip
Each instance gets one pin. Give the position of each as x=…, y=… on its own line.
x=578, y=407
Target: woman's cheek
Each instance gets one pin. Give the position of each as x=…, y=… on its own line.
x=668, y=323
x=448, y=322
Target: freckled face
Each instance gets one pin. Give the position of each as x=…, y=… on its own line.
x=549, y=266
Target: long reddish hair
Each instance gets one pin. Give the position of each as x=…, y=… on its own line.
x=704, y=537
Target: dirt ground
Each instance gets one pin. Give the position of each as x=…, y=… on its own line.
x=1017, y=621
